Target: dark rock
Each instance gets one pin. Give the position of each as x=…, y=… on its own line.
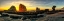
x=62, y=17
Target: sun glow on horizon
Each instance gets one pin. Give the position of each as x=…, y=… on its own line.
x=16, y=4
x=30, y=5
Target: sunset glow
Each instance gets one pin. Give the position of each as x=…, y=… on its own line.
x=30, y=4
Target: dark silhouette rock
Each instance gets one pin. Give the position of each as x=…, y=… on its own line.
x=53, y=8
x=22, y=8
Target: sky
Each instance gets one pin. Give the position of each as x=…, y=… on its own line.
x=31, y=4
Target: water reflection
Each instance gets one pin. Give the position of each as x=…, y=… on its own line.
x=10, y=19
x=27, y=18
x=5, y=18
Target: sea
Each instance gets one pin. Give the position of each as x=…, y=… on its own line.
x=53, y=17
